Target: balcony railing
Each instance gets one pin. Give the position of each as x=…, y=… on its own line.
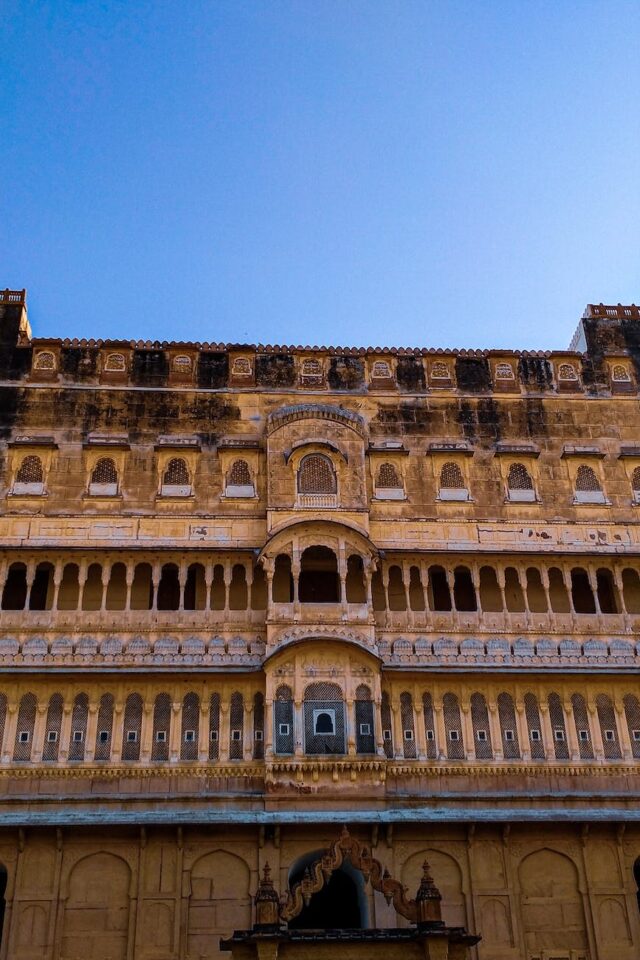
x=317, y=501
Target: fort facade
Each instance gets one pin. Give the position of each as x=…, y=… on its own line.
x=251, y=593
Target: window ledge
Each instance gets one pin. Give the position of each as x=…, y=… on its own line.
x=399, y=498
x=28, y=494
x=603, y=502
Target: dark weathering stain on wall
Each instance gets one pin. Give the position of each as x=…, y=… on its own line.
x=410, y=374
x=535, y=373
x=150, y=368
x=480, y=420
x=346, y=373
x=78, y=363
x=275, y=370
x=213, y=370
x=473, y=374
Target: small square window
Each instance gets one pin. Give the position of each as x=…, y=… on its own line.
x=559, y=735
x=583, y=735
x=408, y=734
x=324, y=721
x=24, y=736
x=78, y=736
x=365, y=729
x=52, y=736
x=132, y=736
x=236, y=735
x=536, y=736
x=283, y=729
x=454, y=735
x=386, y=734
x=636, y=736
x=482, y=736
x=189, y=736
x=430, y=735
x=214, y=736
x=509, y=736
x=103, y=736
x=161, y=736
x=610, y=736
x=257, y=735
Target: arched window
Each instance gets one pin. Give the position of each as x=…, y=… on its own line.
x=608, y=727
x=508, y=727
x=504, y=371
x=481, y=731
x=534, y=726
x=324, y=726
x=53, y=728
x=408, y=726
x=258, y=726
x=388, y=483
x=381, y=370
x=365, y=737
x=632, y=713
x=24, y=728
x=239, y=480
x=79, y=719
x=583, y=731
x=30, y=476
x=45, y=360
x=236, y=727
x=214, y=726
x=182, y=363
x=440, y=371
x=319, y=580
x=387, y=728
x=452, y=484
x=311, y=372
x=635, y=485
x=620, y=374
x=104, y=732
x=429, y=726
x=520, y=484
x=283, y=720
x=453, y=726
x=175, y=479
x=115, y=363
x=567, y=372
x=588, y=488
x=132, y=727
x=558, y=726
x=316, y=476
x=104, y=478
x=161, y=727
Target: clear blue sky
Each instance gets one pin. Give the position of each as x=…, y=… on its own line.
x=412, y=173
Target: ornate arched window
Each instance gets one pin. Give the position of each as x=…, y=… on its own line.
x=239, y=480
x=635, y=484
x=381, y=370
x=104, y=478
x=504, y=371
x=44, y=360
x=30, y=476
x=588, y=488
x=283, y=720
x=567, y=372
x=365, y=736
x=175, y=479
x=389, y=483
x=115, y=363
x=452, y=483
x=620, y=374
x=519, y=484
x=440, y=371
x=317, y=485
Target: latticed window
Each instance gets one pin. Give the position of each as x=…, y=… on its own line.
x=283, y=719
x=365, y=736
x=176, y=474
x=241, y=367
x=508, y=728
x=161, y=727
x=24, y=728
x=53, y=728
x=115, y=363
x=30, y=471
x=583, y=732
x=451, y=477
x=239, y=474
x=586, y=480
x=632, y=713
x=635, y=482
x=620, y=374
x=312, y=370
x=387, y=729
x=453, y=726
x=104, y=732
x=381, y=370
x=429, y=726
x=132, y=727
x=316, y=475
x=258, y=726
x=214, y=726
x=504, y=371
x=236, y=731
x=190, y=727
x=481, y=731
x=3, y=715
x=567, y=371
x=408, y=726
x=79, y=719
x=608, y=727
x=104, y=471
x=45, y=361
x=182, y=363
x=440, y=371
x=558, y=726
x=324, y=726
x=388, y=477
x=519, y=477
x=532, y=713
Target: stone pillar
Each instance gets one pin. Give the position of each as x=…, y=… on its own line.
x=146, y=733
x=440, y=729
x=496, y=732
x=65, y=732
x=421, y=738
x=467, y=726
x=596, y=732
x=523, y=731
x=247, y=727
x=572, y=737
x=39, y=730
x=547, y=731
x=10, y=731
x=623, y=730
x=92, y=731
x=175, y=732
x=224, y=731
x=118, y=731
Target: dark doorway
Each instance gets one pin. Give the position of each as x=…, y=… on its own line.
x=336, y=906
x=319, y=581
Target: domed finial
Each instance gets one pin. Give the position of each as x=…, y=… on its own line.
x=267, y=901
x=428, y=899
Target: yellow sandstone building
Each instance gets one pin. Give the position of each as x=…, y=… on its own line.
x=252, y=593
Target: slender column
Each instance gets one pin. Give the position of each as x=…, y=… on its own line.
x=298, y=727
x=65, y=732
x=39, y=729
x=377, y=726
x=368, y=576
x=146, y=733
x=406, y=586
x=118, y=731
x=130, y=572
x=182, y=580
x=467, y=726
x=398, y=733
x=268, y=728
x=522, y=580
x=83, y=573
x=547, y=731
x=155, y=583
x=227, y=576
x=247, y=745
x=175, y=734
x=30, y=575
x=92, y=730
x=596, y=732
x=496, y=731
x=501, y=578
x=566, y=577
x=421, y=737
x=203, y=729
x=350, y=726
x=623, y=730
x=10, y=732
x=295, y=574
x=572, y=737
x=451, y=583
x=58, y=572
x=342, y=573
x=208, y=582
x=544, y=577
x=440, y=729
x=384, y=573
x=249, y=575
x=523, y=731
x=105, y=576
x=4, y=573
x=223, y=744
x=593, y=583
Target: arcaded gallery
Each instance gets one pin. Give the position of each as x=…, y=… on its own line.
x=319, y=652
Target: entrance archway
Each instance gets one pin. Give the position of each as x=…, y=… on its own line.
x=341, y=903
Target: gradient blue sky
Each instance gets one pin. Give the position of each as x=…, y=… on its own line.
x=435, y=173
